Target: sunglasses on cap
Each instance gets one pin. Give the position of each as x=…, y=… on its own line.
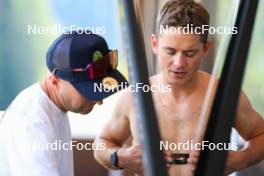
x=95, y=70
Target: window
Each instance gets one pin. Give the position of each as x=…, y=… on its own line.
x=28, y=28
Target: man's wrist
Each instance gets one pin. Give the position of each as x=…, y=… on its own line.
x=115, y=159
x=239, y=161
x=244, y=159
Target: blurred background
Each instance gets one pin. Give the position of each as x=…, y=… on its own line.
x=22, y=53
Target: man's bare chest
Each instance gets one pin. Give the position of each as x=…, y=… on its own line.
x=178, y=123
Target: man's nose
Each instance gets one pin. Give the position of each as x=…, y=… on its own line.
x=100, y=102
x=179, y=60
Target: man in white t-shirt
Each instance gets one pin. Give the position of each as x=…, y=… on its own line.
x=35, y=137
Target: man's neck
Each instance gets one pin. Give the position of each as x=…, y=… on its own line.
x=47, y=88
x=182, y=91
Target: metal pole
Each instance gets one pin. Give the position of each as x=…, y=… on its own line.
x=212, y=162
x=154, y=164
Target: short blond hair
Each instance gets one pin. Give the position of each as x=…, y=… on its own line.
x=180, y=13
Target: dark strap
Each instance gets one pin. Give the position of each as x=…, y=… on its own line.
x=154, y=163
x=179, y=158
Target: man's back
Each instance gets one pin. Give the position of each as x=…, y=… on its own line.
x=32, y=129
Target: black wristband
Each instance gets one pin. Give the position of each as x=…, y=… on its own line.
x=114, y=159
x=179, y=158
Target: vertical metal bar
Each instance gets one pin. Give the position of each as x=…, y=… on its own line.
x=212, y=162
x=154, y=164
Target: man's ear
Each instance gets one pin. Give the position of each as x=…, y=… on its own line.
x=54, y=80
x=154, y=44
x=207, y=46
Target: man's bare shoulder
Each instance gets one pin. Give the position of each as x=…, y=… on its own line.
x=125, y=101
x=206, y=78
x=125, y=98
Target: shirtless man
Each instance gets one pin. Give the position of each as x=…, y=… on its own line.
x=178, y=111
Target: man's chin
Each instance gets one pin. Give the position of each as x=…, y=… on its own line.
x=83, y=111
x=175, y=80
x=86, y=112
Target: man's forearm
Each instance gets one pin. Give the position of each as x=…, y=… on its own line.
x=253, y=152
x=103, y=156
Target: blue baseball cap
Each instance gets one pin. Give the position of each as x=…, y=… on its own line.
x=84, y=59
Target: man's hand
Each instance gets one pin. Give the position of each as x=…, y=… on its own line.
x=130, y=159
x=233, y=161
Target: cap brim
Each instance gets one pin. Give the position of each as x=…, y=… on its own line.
x=95, y=90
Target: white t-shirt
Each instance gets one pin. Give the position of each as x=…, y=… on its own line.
x=35, y=137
